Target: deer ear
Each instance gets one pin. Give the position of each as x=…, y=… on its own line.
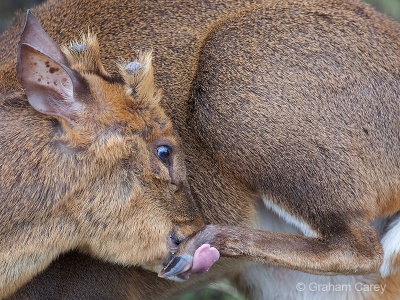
x=50, y=86
x=34, y=35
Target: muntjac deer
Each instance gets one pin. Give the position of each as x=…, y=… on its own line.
x=289, y=115
x=87, y=162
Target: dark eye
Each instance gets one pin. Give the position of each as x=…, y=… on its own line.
x=164, y=154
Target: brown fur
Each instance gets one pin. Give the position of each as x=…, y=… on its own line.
x=293, y=101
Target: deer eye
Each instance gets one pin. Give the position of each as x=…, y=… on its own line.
x=164, y=153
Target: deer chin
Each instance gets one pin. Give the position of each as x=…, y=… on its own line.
x=181, y=266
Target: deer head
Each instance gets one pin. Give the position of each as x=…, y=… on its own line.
x=92, y=160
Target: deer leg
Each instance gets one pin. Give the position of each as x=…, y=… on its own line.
x=355, y=251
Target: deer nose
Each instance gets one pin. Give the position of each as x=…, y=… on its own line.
x=182, y=232
x=175, y=240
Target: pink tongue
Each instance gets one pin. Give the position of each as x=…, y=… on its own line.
x=204, y=257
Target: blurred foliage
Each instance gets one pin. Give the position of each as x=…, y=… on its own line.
x=389, y=7
x=221, y=290
x=8, y=7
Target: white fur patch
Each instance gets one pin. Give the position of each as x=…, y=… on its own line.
x=299, y=224
x=391, y=248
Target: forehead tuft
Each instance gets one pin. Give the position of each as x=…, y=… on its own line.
x=132, y=99
x=114, y=106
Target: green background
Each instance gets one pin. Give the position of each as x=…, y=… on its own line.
x=221, y=290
